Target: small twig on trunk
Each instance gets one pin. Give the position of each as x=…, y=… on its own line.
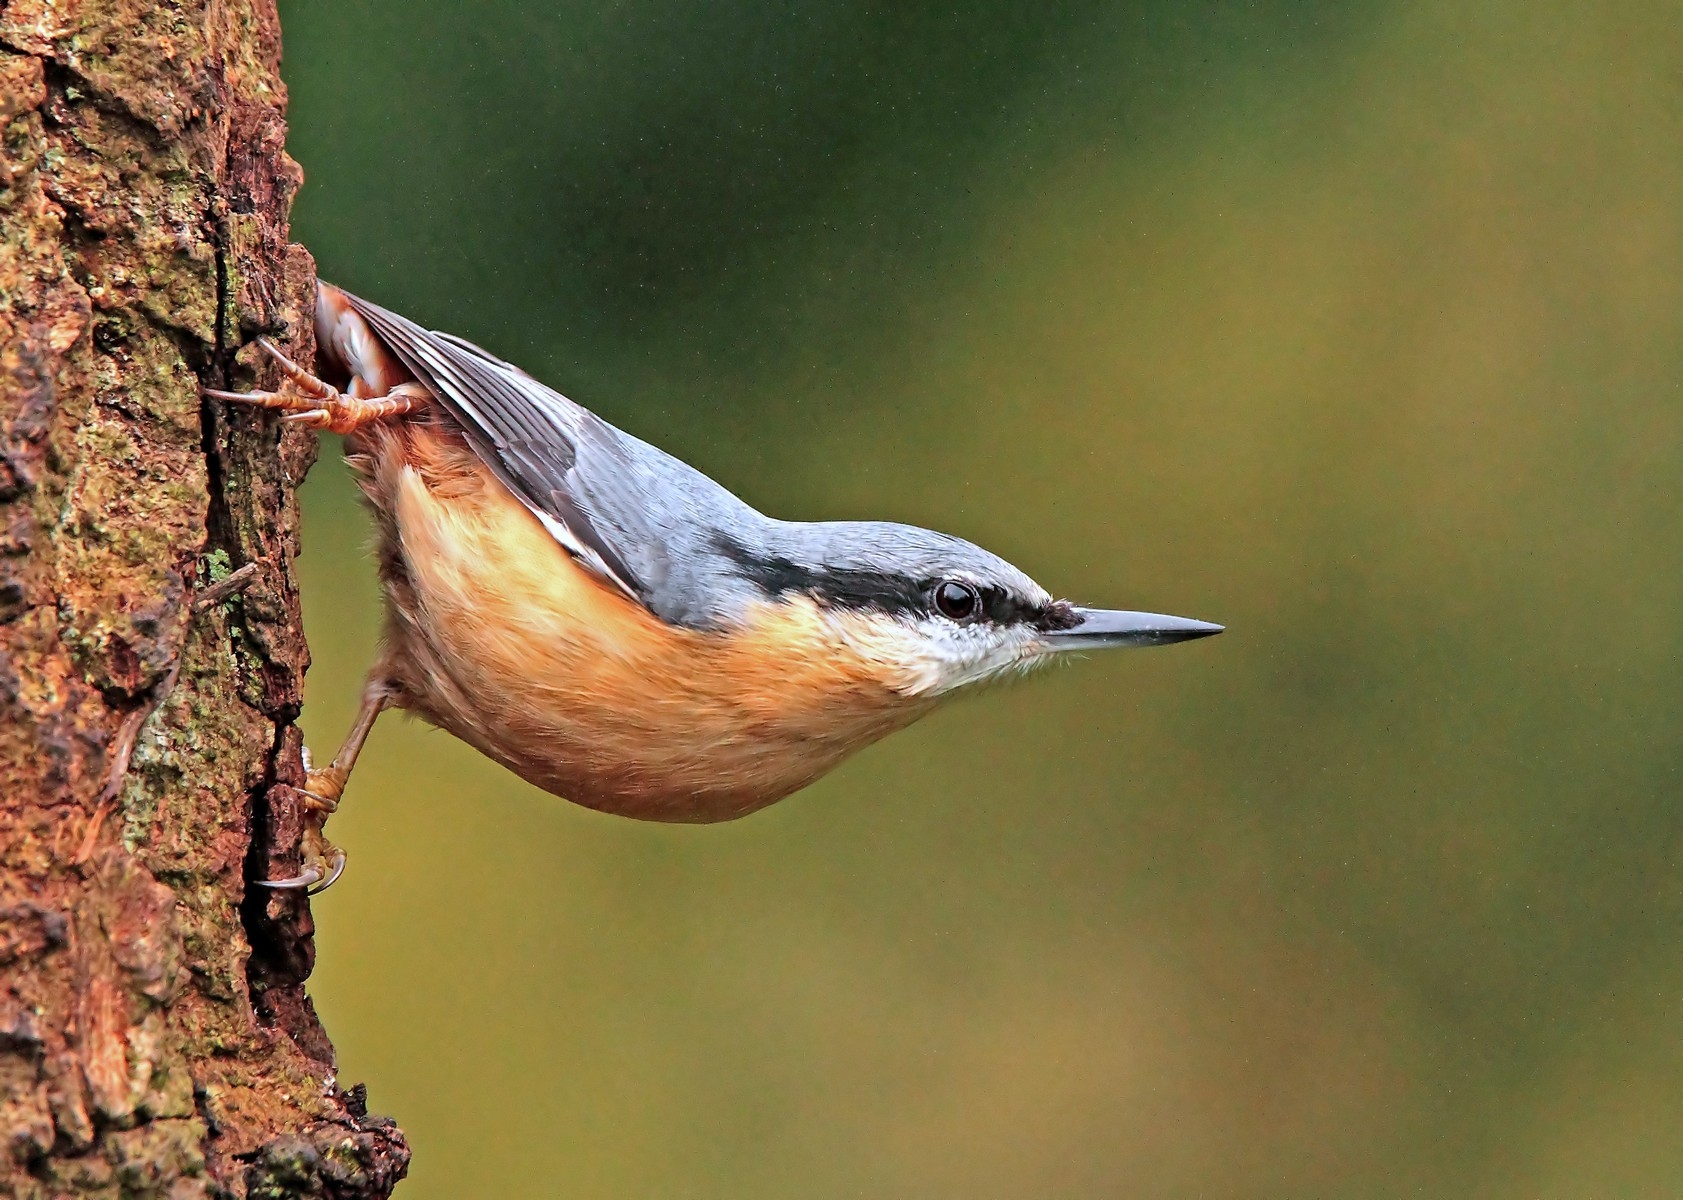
x=219, y=591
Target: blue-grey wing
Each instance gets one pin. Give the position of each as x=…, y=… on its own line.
x=579, y=475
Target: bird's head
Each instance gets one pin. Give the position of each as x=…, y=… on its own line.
x=936, y=612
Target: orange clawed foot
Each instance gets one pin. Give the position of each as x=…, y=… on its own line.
x=318, y=405
x=323, y=861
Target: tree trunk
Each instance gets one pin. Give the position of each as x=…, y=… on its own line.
x=155, y=1037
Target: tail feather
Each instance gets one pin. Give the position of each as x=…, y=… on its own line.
x=346, y=348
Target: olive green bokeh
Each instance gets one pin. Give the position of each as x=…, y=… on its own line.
x=1356, y=327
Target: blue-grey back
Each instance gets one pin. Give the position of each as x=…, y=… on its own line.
x=667, y=535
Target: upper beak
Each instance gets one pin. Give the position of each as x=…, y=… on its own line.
x=1100, y=627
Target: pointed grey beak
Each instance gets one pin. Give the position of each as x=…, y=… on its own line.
x=1100, y=627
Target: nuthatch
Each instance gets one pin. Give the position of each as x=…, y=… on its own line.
x=614, y=626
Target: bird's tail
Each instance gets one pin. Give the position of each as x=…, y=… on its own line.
x=347, y=350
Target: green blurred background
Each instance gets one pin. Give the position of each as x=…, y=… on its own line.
x=1355, y=326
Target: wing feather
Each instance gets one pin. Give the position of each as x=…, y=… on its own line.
x=530, y=435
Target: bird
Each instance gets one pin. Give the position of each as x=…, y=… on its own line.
x=611, y=624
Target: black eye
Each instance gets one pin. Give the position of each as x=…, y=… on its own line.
x=957, y=601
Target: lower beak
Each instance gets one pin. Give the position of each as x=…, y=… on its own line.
x=1101, y=627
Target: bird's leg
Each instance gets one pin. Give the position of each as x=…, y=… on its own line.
x=318, y=405
x=323, y=861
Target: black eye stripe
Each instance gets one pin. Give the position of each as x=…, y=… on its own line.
x=1002, y=609
x=995, y=605
x=872, y=591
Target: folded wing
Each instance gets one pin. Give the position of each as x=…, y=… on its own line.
x=533, y=439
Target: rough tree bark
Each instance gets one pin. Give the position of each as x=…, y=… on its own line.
x=155, y=1037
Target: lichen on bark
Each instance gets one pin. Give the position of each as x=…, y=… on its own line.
x=155, y=1036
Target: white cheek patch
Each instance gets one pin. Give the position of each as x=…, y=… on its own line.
x=957, y=656
x=899, y=648
x=931, y=656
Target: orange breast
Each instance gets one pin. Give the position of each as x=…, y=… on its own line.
x=497, y=635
